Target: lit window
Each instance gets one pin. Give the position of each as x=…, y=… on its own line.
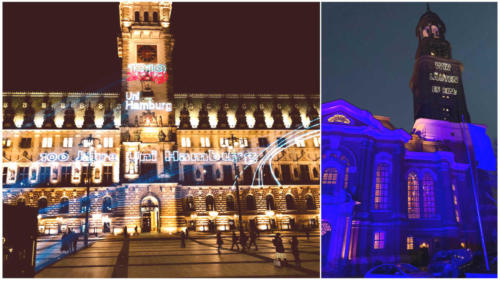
x=455, y=202
x=243, y=142
x=224, y=142
x=381, y=187
x=339, y=118
x=317, y=141
x=68, y=142
x=47, y=142
x=87, y=143
x=413, y=197
x=205, y=141
x=330, y=176
x=108, y=142
x=6, y=143
x=378, y=240
x=409, y=243
x=428, y=194
x=300, y=143
x=185, y=142
x=346, y=177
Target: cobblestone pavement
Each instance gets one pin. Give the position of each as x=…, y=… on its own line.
x=160, y=256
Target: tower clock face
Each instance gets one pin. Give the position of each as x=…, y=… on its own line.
x=146, y=53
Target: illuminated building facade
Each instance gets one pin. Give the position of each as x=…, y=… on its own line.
x=164, y=160
x=388, y=196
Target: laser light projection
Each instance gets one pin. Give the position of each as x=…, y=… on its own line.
x=133, y=102
x=147, y=72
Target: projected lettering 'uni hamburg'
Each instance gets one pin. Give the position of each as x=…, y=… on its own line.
x=390, y=197
x=161, y=161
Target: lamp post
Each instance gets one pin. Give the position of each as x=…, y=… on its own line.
x=90, y=143
x=233, y=141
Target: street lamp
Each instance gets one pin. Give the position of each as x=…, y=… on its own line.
x=89, y=142
x=232, y=142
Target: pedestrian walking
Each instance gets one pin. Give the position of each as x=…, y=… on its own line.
x=75, y=241
x=64, y=242
x=280, y=251
x=125, y=234
x=253, y=238
x=183, y=239
x=235, y=241
x=295, y=249
x=243, y=241
x=307, y=233
x=219, y=242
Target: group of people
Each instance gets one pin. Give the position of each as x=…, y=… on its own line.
x=280, y=250
x=69, y=242
x=242, y=239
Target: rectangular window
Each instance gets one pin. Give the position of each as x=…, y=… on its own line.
x=455, y=202
x=208, y=174
x=243, y=142
x=68, y=142
x=44, y=175
x=107, y=175
x=205, y=141
x=381, y=187
x=188, y=174
x=47, y=142
x=66, y=175
x=6, y=143
x=86, y=175
x=108, y=142
x=378, y=240
x=224, y=142
x=317, y=141
x=413, y=197
x=330, y=176
x=185, y=142
x=87, y=143
x=22, y=175
x=263, y=142
x=25, y=143
x=300, y=143
x=4, y=175
x=228, y=174
x=409, y=243
x=281, y=142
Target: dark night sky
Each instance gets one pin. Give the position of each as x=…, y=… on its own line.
x=369, y=51
x=220, y=47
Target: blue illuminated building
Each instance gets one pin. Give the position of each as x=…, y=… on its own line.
x=389, y=196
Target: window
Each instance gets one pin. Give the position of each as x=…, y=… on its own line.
x=108, y=142
x=146, y=16
x=209, y=202
x=106, y=205
x=300, y=143
x=44, y=175
x=263, y=142
x=230, y=203
x=25, y=143
x=22, y=175
x=64, y=206
x=378, y=240
x=21, y=202
x=107, y=175
x=315, y=172
x=155, y=16
x=185, y=142
x=413, y=197
x=42, y=205
x=190, y=203
x=251, y=203
x=317, y=141
x=47, y=142
x=137, y=16
x=68, y=142
x=66, y=175
x=84, y=204
x=409, y=243
x=205, y=142
x=270, y=202
x=455, y=201
x=87, y=143
x=330, y=176
x=243, y=142
x=290, y=202
x=5, y=172
x=281, y=142
x=6, y=143
x=381, y=187
x=428, y=194
x=310, y=202
x=86, y=175
x=224, y=142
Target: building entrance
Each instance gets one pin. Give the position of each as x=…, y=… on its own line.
x=150, y=214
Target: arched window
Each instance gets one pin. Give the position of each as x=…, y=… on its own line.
x=455, y=201
x=310, y=202
x=190, y=203
x=84, y=204
x=330, y=176
x=230, y=203
x=413, y=197
x=290, y=202
x=210, y=204
x=435, y=31
x=428, y=194
x=270, y=202
x=42, y=205
x=146, y=16
x=381, y=187
x=137, y=17
x=64, y=207
x=21, y=202
x=251, y=203
x=106, y=205
x=155, y=16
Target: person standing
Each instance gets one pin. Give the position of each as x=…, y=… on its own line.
x=187, y=232
x=136, y=230
x=243, y=241
x=295, y=249
x=307, y=233
x=253, y=238
x=235, y=241
x=75, y=241
x=219, y=242
x=280, y=250
x=183, y=239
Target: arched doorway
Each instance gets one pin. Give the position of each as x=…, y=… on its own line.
x=150, y=214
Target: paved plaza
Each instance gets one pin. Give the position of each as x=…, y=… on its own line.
x=155, y=255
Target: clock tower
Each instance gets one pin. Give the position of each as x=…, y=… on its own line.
x=436, y=83
x=148, y=123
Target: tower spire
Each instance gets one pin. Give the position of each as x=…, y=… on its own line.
x=428, y=7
